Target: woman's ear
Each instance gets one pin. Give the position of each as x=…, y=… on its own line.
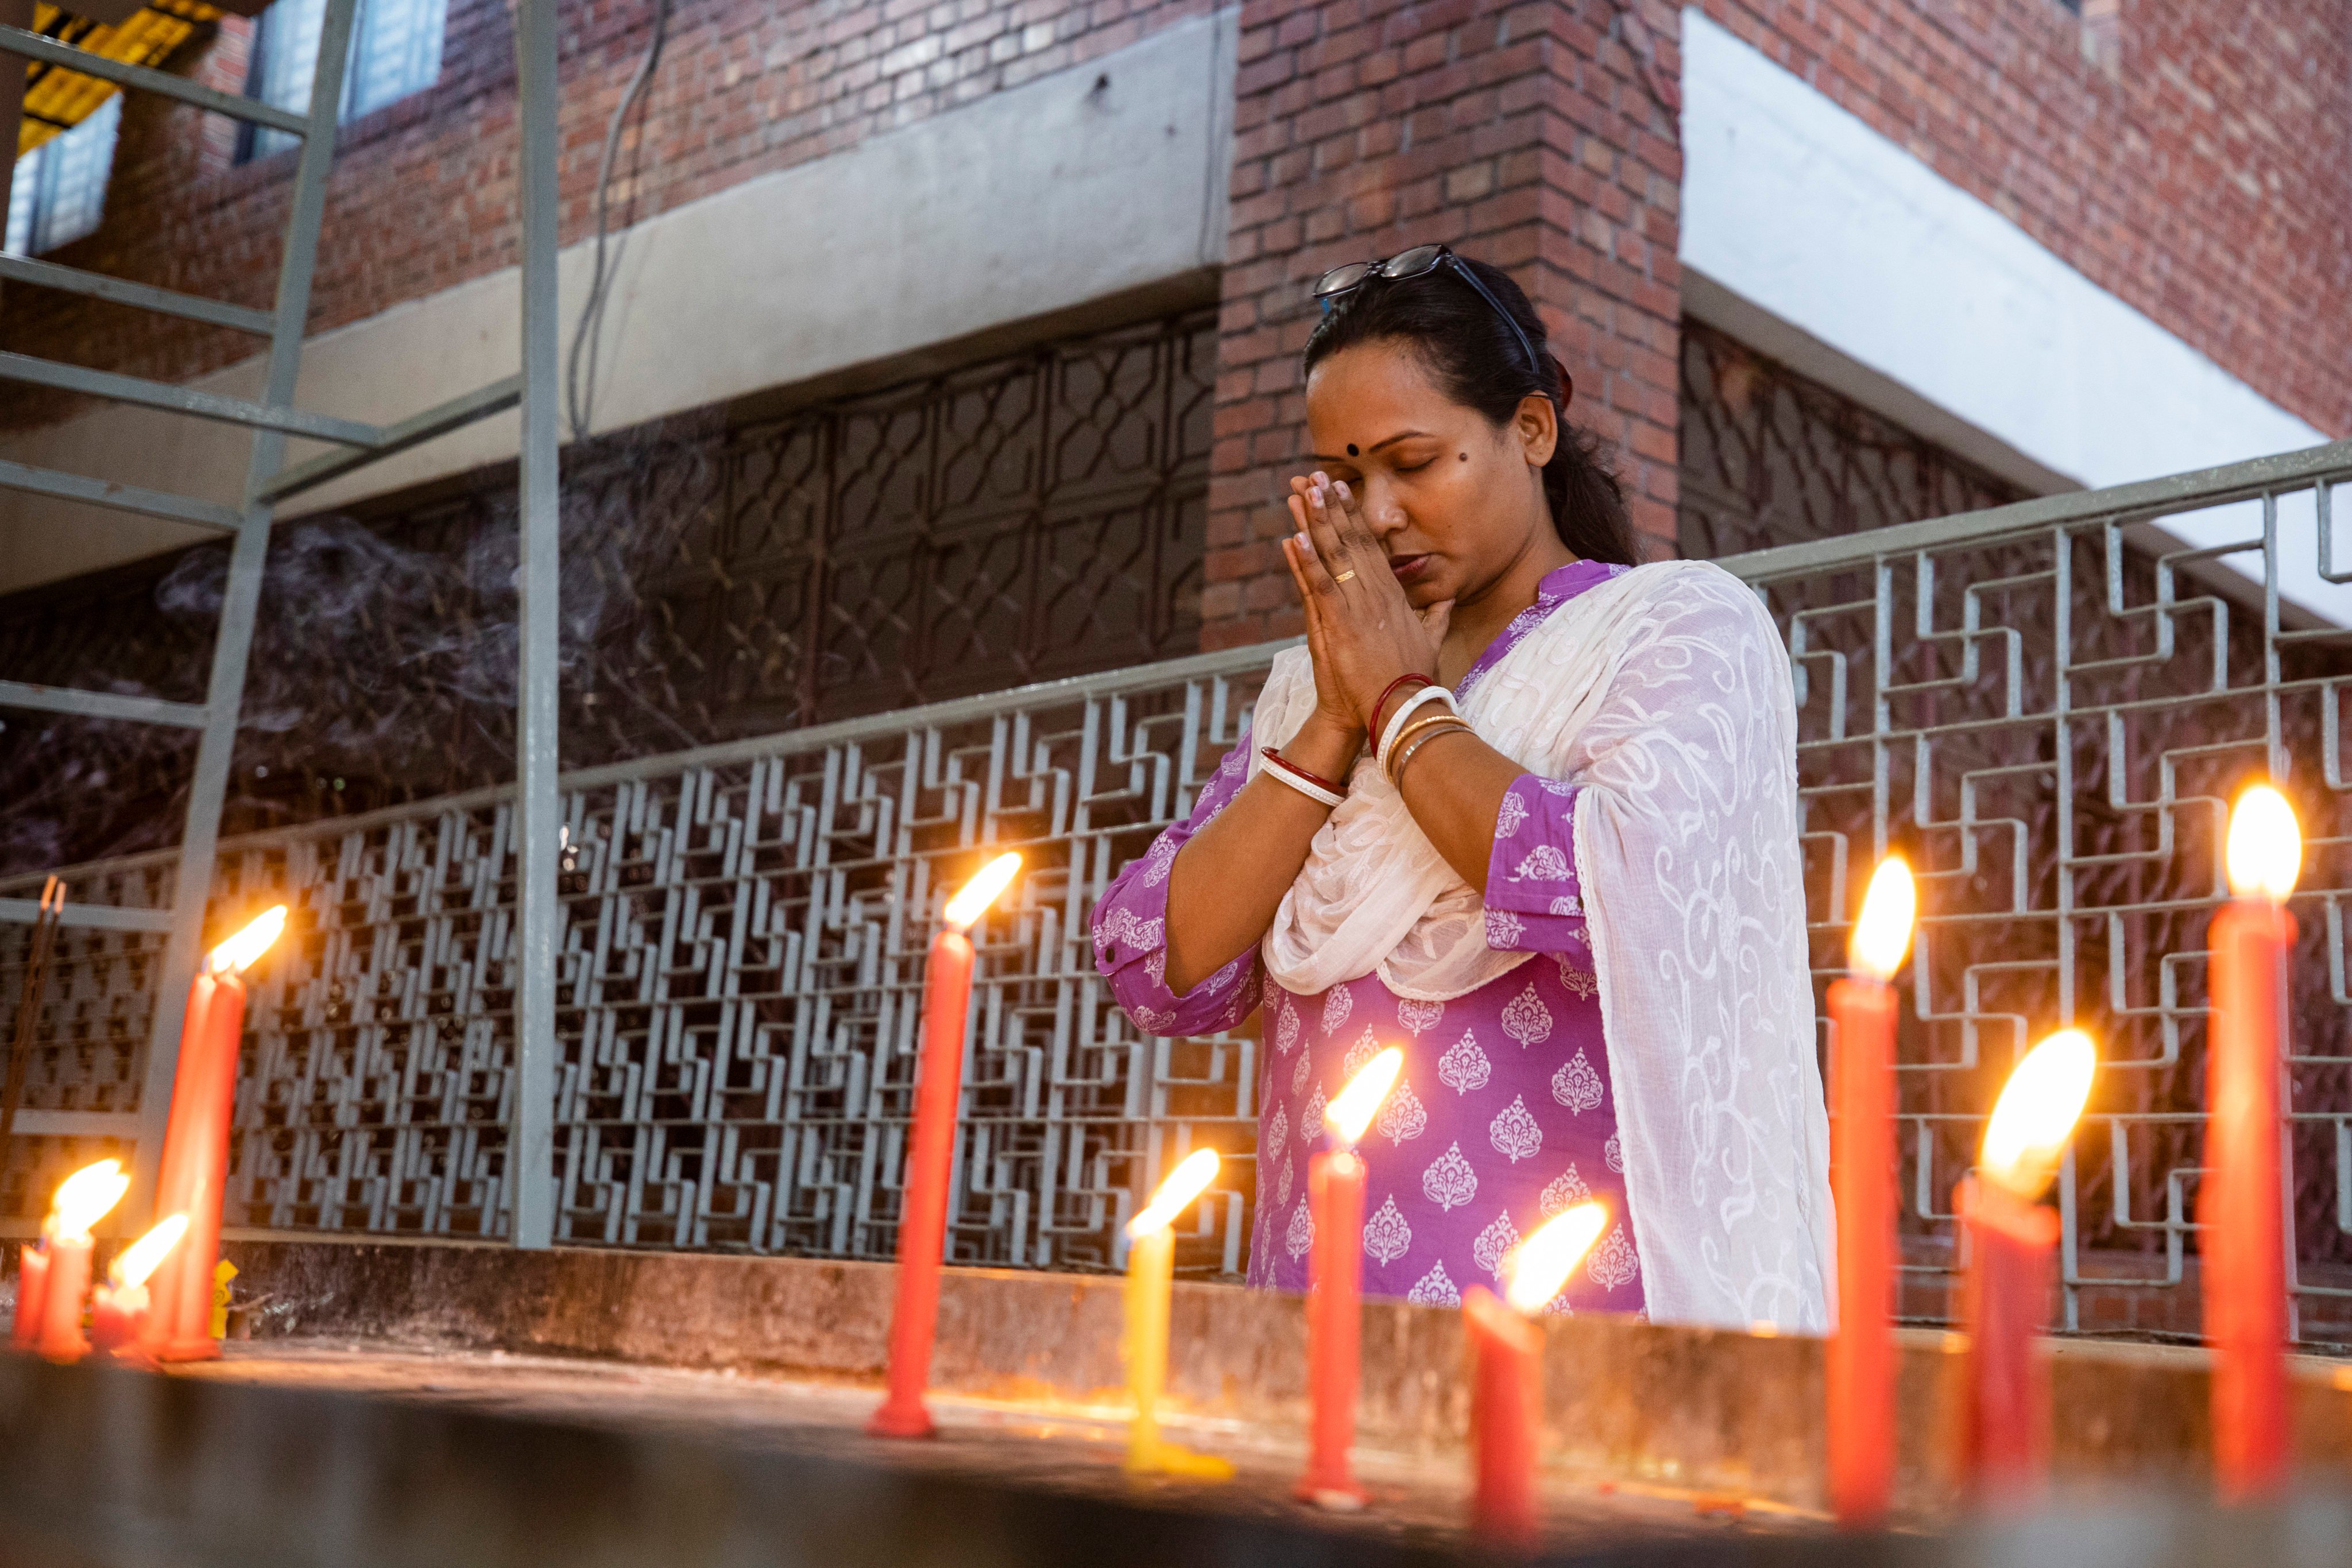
x=1538, y=427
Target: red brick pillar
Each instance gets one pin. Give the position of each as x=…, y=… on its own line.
x=1533, y=136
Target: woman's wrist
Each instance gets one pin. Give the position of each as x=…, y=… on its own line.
x=1325, y=746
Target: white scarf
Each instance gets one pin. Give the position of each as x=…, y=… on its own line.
x=1664, y=695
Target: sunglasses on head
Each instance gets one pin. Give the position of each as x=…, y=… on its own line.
x=1418, y=262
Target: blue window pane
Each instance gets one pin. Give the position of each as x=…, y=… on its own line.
x=396, y=50
x=58, y=194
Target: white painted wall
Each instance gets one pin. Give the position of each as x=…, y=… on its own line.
x=1028, y=203
x=1823, y=242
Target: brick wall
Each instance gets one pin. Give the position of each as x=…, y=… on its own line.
x=2198, y=171
x=1528, y=135
x=424, y=195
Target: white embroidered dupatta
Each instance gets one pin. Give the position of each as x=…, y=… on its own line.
x=1664, y=695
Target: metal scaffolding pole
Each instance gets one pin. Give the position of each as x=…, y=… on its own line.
x=530, y=1150
x=272, y=417
x=241, y=600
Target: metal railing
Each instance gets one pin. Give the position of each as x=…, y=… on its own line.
x=2048, y=703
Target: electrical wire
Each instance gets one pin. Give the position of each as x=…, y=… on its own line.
x=587, y=337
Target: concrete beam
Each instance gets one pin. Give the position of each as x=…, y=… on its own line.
x=1097, y=183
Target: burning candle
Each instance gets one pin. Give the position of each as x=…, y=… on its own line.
x=2005, y=1413
x=1861, y=1381
x=193, y=1176
x=1506, y=1370
x=2241, y=1206
x=1335, y=1271
x=923, y=1205
x=82, y=1200
x=1151, y=1273
x=118, y=1309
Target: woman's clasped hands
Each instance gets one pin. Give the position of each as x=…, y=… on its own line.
x=1362, y=633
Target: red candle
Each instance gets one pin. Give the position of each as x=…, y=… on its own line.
x=118, y=1309
x=1861, y=1364
x=2012, y=1241
x=82, y=1200
x=1506, y=1373
x=32, y=1276
x=2005, y=1417
x=2243, y=1201
x=923, y=1206
x=1506, y=1393
x=1334, y=1273
x=116, y=1316
x=194, y=1178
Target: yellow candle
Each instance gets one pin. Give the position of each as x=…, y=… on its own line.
x=1151, y=1273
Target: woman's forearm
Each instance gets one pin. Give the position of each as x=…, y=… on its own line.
x=1454, y=786
x=1229, y=880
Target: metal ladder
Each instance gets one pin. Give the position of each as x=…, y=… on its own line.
x=273, y=418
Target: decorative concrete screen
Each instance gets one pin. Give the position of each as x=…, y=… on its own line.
x=2048, y=704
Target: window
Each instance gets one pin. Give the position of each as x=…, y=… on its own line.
x=396, y=50
x=60, y=191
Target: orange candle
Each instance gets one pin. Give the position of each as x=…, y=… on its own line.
x=82, y=1200
x=2242, y=1206
x=1862, y=1173
x=194, y=1175
x=1335, y=1269
x=2012, y=1240
x=1507, y=1371
x=923, y=1206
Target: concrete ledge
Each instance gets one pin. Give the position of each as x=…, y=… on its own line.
x=1706, y=1411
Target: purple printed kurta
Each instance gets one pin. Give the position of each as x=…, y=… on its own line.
x=1503, y=1115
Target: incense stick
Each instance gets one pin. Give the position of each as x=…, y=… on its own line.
x=28, y=1007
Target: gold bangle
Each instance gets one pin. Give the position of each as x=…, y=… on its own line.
x=1417, y=726
x=1407, y=755
x=1402, y=753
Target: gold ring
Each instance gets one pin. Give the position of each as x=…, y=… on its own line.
x=1345, y=575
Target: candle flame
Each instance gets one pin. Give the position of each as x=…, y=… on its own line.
x=241, y=951
x=1352, y=1109
x=1883, y=934
x=2265, y=846
x=1184, y=1183
x=84, y=1198
x=2037, y=1111
x=973, y=899
x=143, y=1257
x=1534, y=1271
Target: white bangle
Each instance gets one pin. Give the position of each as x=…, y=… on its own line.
x=1395, y=726
x=1307, y=787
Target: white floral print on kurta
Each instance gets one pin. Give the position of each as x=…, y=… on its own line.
x=1464, y=1067
x=1402, y=1116
x=1564, y=1191
x=1526, y=1019
x=1577, y=1085
x=1386, y=1234
x=1450, y=1182
x=1434, y=1289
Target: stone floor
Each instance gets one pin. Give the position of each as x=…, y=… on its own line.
x=1066, y=1449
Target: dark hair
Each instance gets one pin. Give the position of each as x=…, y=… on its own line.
x=1480, y=364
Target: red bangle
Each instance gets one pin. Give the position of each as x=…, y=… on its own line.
x=1271, y=755
x=1391, y=690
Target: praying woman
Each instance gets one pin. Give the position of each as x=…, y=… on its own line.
x=1526, y=808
